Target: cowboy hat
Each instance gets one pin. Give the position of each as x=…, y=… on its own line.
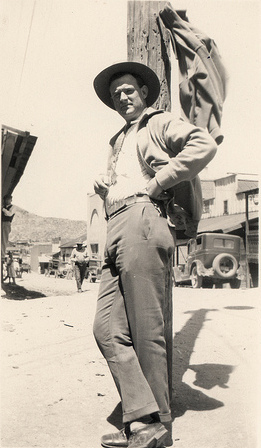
x=102, y=81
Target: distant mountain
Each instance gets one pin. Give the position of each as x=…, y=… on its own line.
x=30, y=227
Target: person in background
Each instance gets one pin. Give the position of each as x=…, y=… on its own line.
x=79, y=260
x=69, y=272
x=20, y=261
x=8, y=212
x=10, y=268
x=148, y=157
x=16, y=268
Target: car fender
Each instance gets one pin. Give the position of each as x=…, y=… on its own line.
x=201, y=270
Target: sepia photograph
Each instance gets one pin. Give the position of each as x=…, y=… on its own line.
x=130, y=296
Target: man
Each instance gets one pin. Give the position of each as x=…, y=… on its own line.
x=8, y=212
x=152, y=156
x=79, y=258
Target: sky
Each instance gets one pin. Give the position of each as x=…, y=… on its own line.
x=52, y=50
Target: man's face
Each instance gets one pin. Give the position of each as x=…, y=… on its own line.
x=128, y=98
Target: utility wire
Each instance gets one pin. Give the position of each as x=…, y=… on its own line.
x=25, y=53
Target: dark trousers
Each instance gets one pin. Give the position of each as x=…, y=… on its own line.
x=79, y=272
x=129, y=323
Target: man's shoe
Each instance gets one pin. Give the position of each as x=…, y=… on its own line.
x=152, y=435
x=115, y=440
x=168, y=441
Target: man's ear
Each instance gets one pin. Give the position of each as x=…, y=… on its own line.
x=144, y=91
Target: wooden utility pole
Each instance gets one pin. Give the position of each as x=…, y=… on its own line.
x=148, y=42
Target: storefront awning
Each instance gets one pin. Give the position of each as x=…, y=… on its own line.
x=226, y=223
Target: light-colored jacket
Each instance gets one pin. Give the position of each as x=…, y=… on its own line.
x=174, y=151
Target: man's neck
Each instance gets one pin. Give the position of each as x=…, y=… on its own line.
x=131, y=122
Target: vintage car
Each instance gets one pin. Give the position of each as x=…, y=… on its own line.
x=55, y=268
x=94, y=269
x=25, y=267
x=211, y=259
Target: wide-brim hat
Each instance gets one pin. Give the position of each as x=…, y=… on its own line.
x=102, y=81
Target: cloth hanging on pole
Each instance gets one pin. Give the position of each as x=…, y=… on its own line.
x=203, y=77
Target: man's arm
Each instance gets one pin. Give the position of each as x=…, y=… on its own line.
x=192, y=148
x=9, y=212
x=86, y=256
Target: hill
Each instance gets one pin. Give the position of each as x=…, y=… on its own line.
x=30, y=227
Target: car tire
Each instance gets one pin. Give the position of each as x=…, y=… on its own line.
x=217, y=265
x=196, y=280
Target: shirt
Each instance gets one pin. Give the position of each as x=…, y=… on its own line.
x=129, y=176
x=80, y=256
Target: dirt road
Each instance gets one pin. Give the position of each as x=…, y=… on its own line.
x=57, y=390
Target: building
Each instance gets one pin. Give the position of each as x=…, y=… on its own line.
x=66, y=248
x=42, y=253
x=96, y=225
x=17, y=147
x=226, y=195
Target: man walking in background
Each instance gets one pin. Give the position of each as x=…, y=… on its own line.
x=79, y=260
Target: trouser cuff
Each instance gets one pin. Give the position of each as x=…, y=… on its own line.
x=135, y=415
x=165, y=417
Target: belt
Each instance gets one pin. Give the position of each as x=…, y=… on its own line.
x=119, y=206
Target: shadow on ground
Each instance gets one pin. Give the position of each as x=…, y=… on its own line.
x=184, y=397
x=17, y=292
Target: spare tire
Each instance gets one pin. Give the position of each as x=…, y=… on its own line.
x=225, y=265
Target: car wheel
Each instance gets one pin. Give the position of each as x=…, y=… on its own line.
x=196, y=280
x=225, y=265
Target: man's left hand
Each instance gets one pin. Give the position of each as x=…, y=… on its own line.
x=154, y=190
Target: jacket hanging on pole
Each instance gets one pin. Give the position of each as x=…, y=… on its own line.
x=203, y=77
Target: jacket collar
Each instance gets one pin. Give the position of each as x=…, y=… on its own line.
x=150, y=111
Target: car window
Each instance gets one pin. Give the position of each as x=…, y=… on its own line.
x=218, y=242
x=229, y=244
x=199, y=243
x=221, y=242
x=192, y=246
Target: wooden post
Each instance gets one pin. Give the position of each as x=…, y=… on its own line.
x=148, y=42
x=247, y=240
